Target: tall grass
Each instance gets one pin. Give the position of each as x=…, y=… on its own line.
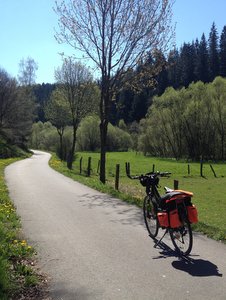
x=209, y=192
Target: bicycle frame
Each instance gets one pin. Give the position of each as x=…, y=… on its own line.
x=158, y=212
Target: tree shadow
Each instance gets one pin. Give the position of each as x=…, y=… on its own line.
x=126, y=214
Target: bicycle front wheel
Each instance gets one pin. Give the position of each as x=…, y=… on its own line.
x=182, y=238
x=150, y=217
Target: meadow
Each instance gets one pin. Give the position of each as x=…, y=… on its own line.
x=209, y=191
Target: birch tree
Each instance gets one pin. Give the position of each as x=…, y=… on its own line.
x=114, y=35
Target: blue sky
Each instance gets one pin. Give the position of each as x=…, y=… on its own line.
x=27, y=29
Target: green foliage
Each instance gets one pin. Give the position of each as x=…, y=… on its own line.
x=16, y=110
x=4, y=278
x=88, y=136
x=187, y=123
x=57, y=110
x=118, y=139
x=44, y=136
x=8, y=150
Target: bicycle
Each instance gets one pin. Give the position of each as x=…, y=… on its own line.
x=173, y=212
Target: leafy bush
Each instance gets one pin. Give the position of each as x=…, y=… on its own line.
x=8, y=150
x=44, y=136
x=88, y=136
x=118, y=139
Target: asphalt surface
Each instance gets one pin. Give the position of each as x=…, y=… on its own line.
x=96, y=247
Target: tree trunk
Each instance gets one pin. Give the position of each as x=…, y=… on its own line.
x=104, y=112
x=70, y=157
x=103, y=142
x=61, y=132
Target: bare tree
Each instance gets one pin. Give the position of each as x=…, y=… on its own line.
x=27, y=69
x=115, y=35
x=78, y=90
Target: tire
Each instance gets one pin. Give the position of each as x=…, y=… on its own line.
x=182, y=238
x=150, y=217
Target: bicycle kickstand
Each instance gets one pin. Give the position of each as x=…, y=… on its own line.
x=159, y=241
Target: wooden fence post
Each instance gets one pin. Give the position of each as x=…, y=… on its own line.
x=176, y=184
x=201, y=168
x=153, y=168
x=117, y=177
x=98, y=166
x=213, y=171
x=80, y=165
x=127, y=168
x=89, y=167
x=188, y=169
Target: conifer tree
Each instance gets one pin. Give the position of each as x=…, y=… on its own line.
x=173, y=68
x=202, y=67
x=223, y=53
x=213, y=53
x=187, y=62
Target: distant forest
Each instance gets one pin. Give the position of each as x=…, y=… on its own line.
x=199, y=60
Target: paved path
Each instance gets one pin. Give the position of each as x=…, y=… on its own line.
x=96, y=247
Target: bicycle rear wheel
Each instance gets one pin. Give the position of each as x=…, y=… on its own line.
x=182, y=238
x=150, y=217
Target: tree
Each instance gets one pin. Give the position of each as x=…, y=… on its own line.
x=88, y=134
x=8, y=98
x=223, y=53
x=42, y=94
x=219, y=108
x=76, y=85
x=27, y=69
x=213, y=53
x=57, y=111
x=202, y=63
x=187, y=64
x=114, y=35
x=174, y=68
x=16, y=111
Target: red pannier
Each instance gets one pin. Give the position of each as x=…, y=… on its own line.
x=163, y=219
x=174, y=219
x=192, y=214
x=169, y=219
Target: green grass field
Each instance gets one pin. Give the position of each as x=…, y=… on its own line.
x=209, y=192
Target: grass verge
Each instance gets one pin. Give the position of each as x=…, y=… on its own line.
x=18, y=273
x=208, y=190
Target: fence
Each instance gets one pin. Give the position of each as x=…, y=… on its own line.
x=88, y=170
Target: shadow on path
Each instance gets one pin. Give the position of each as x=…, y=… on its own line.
x=197, y=267
x=126, y=213
x=194, y=267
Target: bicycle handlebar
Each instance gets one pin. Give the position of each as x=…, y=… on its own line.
x=150, y=175
x=147, y=175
